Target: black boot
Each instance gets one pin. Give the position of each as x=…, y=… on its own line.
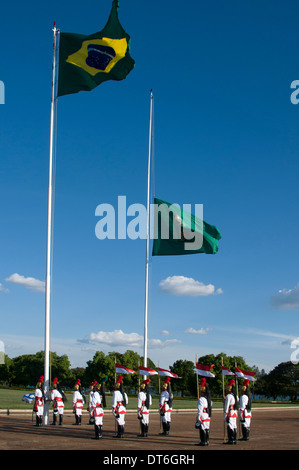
x=164, y=425
x=97, y=432
x=60, y=420
x=120, y=432
x=245, y=434
x=37, y=420
x=167, y=428
x=230, y=435
x=54, y=419
x=203, y=438
x=142, y=429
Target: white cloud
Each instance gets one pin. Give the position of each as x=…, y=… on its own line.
x=181, y=285
x=28, y=282
x=158, y=343
x=119, y=338
x=286, y=299
x=192, y=331
x=3, y=289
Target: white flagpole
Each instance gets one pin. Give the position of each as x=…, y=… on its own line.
x=49, y=238
x=147, y=233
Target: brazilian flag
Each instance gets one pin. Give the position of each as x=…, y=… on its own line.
x=178, y=232
x=87, y=61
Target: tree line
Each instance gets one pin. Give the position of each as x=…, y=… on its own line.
x=24, y=371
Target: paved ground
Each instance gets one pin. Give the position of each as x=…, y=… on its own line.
x=272, y=429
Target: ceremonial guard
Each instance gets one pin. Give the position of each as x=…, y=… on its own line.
x=78, y=402
x=90, y=398
x=58, y=399
x=39, y=401
x=144, y=401
x=230, y=412
x=245, y=410
x=119, y=403
x=98, y=403
x=166, y=398
x=204, y=411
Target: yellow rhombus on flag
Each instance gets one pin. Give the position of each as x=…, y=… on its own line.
x=87, y=61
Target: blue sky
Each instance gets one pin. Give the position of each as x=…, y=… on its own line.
x=226, y=136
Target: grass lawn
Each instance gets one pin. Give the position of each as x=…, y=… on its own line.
x=12, y=399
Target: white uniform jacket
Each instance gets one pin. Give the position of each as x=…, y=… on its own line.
x=165, y=409
x=39, y=401
x=57, y=399
x=96, y=405
x=202, y=413
x=244, y=414
x=77, y=400
x=118, y=403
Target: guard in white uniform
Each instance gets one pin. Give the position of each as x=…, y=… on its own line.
x=119, y=403
x=230, y=412
x=204, y=410
x=144, y=401
x=98, y=402
x=166, y=398
x=90, y=398
x=78, y=403
x=38, y=406
x=58, y=398
x=245, y=410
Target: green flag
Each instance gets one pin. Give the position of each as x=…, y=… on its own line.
x=177, y=232
x=87, y=61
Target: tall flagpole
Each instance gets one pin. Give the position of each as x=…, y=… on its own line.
x=237, y=390
x=223, y=395
x=49, y=238
x=147, y=233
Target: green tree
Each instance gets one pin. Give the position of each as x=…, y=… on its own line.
x=217, y=383
x=99, y=367
x=77, y=373
x=6, y=371
x=184, y=369
x=283, y=380
x=104, y=366
x=27, y=369
x=60, y=368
